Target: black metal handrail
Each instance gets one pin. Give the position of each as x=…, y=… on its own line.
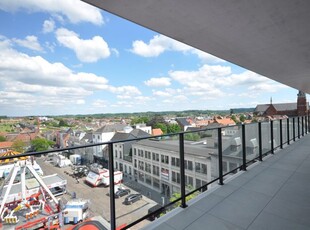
x=305, y=128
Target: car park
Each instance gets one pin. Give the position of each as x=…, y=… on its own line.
x=122, y=192
x=132, y=198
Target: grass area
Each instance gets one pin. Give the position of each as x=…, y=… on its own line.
x=6, y=128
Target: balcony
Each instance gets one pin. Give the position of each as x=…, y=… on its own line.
x=238, y=177
x=272, y=194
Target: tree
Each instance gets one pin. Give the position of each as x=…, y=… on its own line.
x=63, y=123
x=18, y=146
x=41, y=144
x=173, y=128
x=156, y=119
x=2, y=139
x=192, y=137
x=233, y=117
x=242, y=118
x=139, y=120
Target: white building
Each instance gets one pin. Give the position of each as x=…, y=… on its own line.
x=157, y=165
x=122, y=151
x=105, y=134
x=143, y=127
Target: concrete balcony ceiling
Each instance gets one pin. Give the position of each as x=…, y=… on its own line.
x=271, y=38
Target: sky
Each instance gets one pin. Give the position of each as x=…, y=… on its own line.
x=67, y=57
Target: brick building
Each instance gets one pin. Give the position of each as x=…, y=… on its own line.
x=289, y=109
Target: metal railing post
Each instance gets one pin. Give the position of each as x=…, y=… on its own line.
x=306, y=125
x=298, y=127
x=260, y=141
x=288, y=130
x=302, y=126
x=220, y=155
x=271, y=137
x=281, y=138
x=112, y=194
x=308, y=121
x=182, y=170
x=294, y=131
x=243, y=148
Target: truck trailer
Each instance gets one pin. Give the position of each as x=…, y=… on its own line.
x=98, y=176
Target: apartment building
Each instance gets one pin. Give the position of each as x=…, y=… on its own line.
x=156, y=164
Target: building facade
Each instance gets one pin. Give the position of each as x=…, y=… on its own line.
x=156, y=165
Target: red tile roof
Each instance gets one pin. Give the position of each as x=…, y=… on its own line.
x=224, y=121
x=156, y=132
x=6, y=144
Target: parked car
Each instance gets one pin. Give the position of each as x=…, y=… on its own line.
x=122, y=192
x=132, y=198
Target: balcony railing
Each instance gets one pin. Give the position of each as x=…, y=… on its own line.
x=177, y=166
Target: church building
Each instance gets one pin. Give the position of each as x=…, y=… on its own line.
x=300, y=108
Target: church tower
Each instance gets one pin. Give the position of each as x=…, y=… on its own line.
x=301, y=104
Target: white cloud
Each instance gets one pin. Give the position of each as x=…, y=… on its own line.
x=158, y=82
x=99, y=103
x=74, y=10
x=160, y=43
x=127, y=90
x=48, y=26
x=214, y=81
x=90, y=50
x=161, y=93
x=264, y=87
x=31, y=81
x=30, y=42
x=115, y=51
x=50, y=46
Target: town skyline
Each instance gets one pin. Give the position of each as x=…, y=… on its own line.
x=73, y=58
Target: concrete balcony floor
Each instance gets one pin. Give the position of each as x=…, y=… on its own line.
x=273, y=194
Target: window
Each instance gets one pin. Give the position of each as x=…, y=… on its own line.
x=141, y=165
x=148, y=167
x=116, y=154
x=164, y=159
x=200, y=183
x=201, y=168
x=188, y=165
x=156, y=170
x=135, y=163
x=135, y=151
x=129, y=170
x=189, y=181
x=141, y=176
x=155, y=183
x=175, y=161
x=176, y=177
x=148, y=179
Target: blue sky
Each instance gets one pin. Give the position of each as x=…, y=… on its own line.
x=67, y=57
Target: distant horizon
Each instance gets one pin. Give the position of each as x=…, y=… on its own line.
x=68, y=57
x=129, y=113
